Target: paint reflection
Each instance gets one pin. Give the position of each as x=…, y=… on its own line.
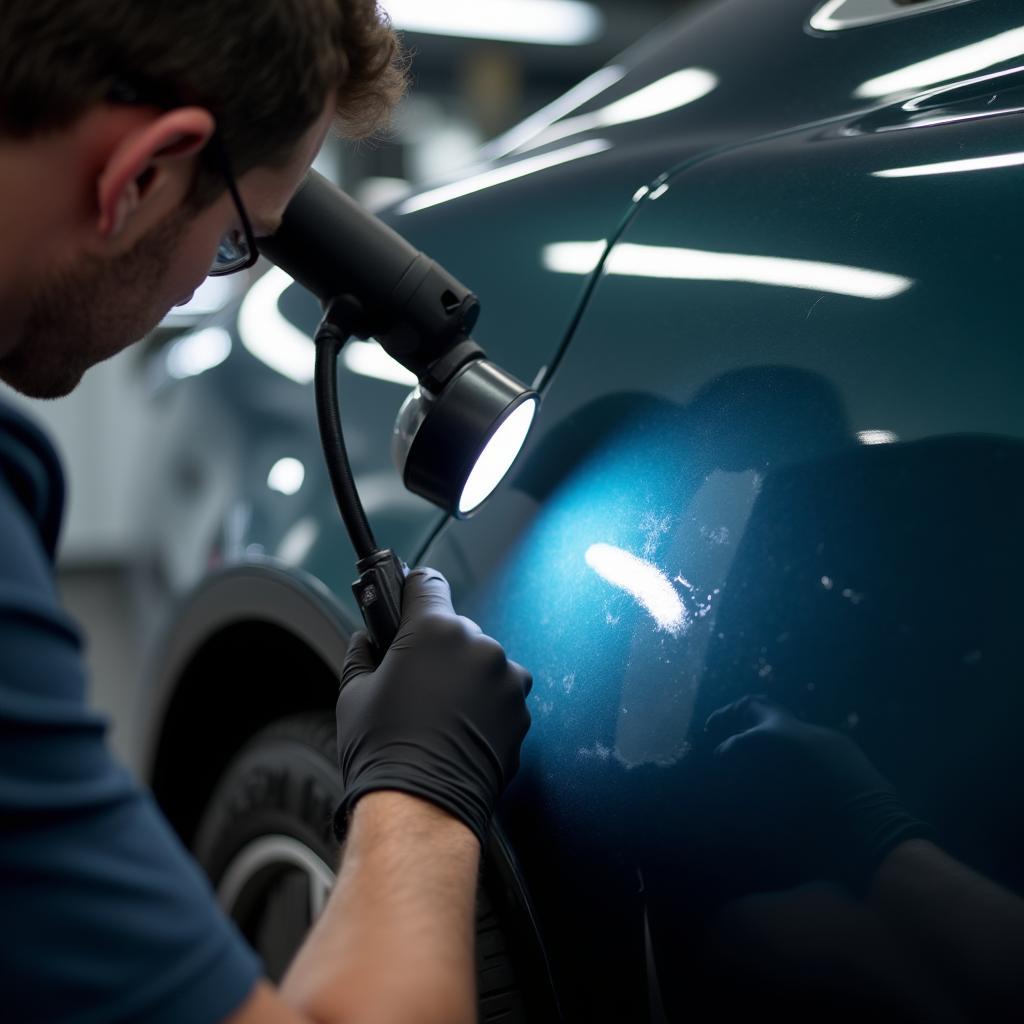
x=672, y=92
x=964, y=60
x=643, y=581
x=978, y=163
x=675, y=263
x=501, y=175
x=758, y=486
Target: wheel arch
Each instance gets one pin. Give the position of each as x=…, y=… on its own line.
x=252, y=644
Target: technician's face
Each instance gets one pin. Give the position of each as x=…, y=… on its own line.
x=94, y=308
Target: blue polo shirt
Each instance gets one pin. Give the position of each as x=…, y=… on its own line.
x=104, y=915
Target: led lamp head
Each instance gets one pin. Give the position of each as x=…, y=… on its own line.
x=454, y=448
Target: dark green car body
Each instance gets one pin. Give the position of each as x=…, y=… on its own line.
x=768, y=280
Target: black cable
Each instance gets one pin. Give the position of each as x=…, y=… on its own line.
x=329, y=341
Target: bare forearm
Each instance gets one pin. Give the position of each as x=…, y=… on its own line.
x=969, y=928
x=395, y=942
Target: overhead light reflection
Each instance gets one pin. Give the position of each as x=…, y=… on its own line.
x=668, y=262
x=670, y=93
x=643, y=581
x=368, y=359
x=286, y=476
x=196, y=353
x=548, y=22
x=835, y=14
x=573, y=257
x=979, y=163
x=500, y=175
x=524, y=132
x=297, y=543
x=946, y=66
x=210, y=297
x=269, y=336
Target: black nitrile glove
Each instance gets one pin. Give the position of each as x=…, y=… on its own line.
x=442, y=717
x=804, y=794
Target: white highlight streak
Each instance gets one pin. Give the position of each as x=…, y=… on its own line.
x=644, y=581
x=196, y=353
x=679, y=89
x=368, y=359
x=978, y=163
x=269, y=336
x=501, y=175
x=539, y=122
x=551, y=22
x=697, y=265
x=946, y=66
x=834, y=14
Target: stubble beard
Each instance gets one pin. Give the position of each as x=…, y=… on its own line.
x=85, y=314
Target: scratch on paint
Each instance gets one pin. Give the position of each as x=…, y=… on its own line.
x=814, y=306
x=654, y=527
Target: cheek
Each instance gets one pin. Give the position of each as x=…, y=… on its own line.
x=195, y=252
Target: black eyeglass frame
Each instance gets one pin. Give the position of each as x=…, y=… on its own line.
x=216, y=146
x=132, y=92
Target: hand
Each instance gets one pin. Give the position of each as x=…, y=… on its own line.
x=805, y=794
x=442, y=717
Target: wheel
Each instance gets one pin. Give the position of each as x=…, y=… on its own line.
x=266, y=842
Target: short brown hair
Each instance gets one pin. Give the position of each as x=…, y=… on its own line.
x=263, y=67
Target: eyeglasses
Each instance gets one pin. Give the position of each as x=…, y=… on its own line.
x=237, y=249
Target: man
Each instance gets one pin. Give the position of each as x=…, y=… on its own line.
x=138, y=143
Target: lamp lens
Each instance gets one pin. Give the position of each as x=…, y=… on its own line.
x=497, y=458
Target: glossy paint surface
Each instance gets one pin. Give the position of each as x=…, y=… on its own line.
x=779, y=450
x=706, y=511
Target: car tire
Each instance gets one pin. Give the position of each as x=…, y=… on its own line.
x=265, y=841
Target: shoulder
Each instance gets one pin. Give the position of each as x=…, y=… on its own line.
x=31, y=480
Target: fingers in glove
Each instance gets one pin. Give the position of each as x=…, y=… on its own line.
x=746, y=713
x=359, y=658
x=469, y=625
x=523, y=674
x=426, y=591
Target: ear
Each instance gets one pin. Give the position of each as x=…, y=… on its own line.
x=147, y=162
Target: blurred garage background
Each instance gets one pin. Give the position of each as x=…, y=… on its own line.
x=479, y=68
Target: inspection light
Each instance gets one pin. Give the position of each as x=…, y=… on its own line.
x=548, y=22
x=462, y=427
x=455, y=448
x=498, y=457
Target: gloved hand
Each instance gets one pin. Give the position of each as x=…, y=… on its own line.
x=442, y=717
x=806, y=795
